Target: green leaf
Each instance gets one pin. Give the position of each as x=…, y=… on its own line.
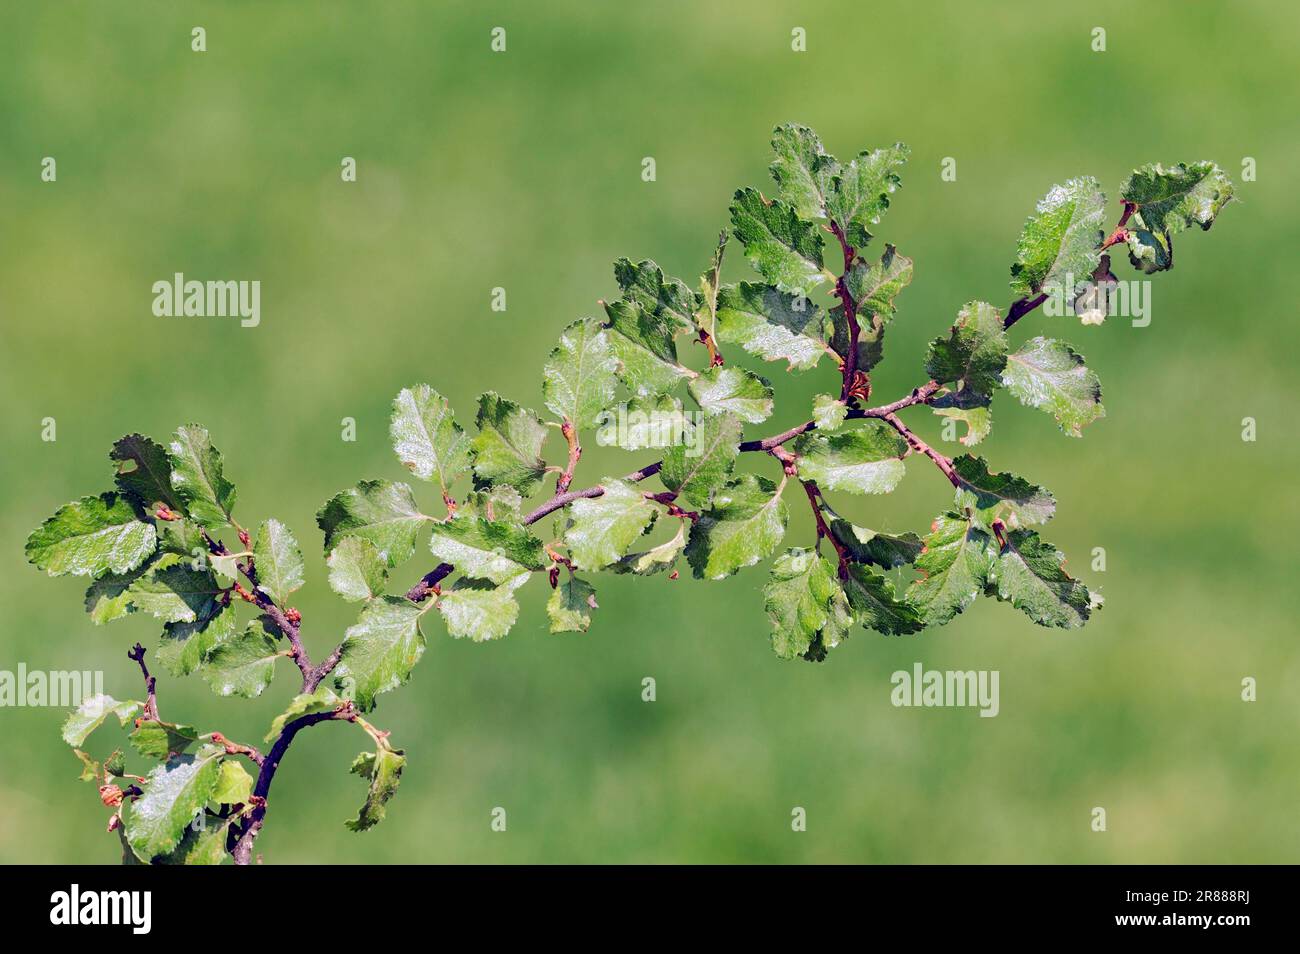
x=802, y=170
x=427, y=439
x=797, y=598
x=309, y=703
x=734, y=390
x=604, y=528
x=378, y=511
x=108, y=598
x=508, y=447
x=174, y=592
x=861, y=191
x=642, y=343
x=991, y=496
x=234, y=784
x=198, y=479
x=875, y=285
x=115, y=764
x=957, y=561
x=646, y=423
x=668, y=299
x=479, y=610
x=1062, y=238
x=225, y=566
x=1150, y=252
x=657, y=558
x=828, y=412
x=183, y=538
x=383, y=769
x=1030, y=575
x=973, y=355
x=90, y=537
x=744, y=525
x=206, y=846
x=784, y=249
x=868, y=546
x=174, y=794
x=499, y=551
x=145, y=474
x=278, y=561
x=695, y=470
x=871, y=595
x=771, y=324
x=865, y=460
x=1173, y=199
x=579, y=376
x=570, y=606
x=357, y=571
x=161, y=740
x=185, y=646
x=380, y=649
x=495, y=503
x=1049, y=374
x=978, y=420
x=245, y=665
x=90, y=715
x=91, y=770
x=839, y=624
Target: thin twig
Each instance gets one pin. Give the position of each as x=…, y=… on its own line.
x=151, y=697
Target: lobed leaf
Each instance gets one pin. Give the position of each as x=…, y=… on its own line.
x=733, y=390
x=604, y=528
x=383, y=769
x=198, y=478
x=1061, y=240
x=570, y=606
x=379, y=650
x=495, y=550
x=1030, y=575
x=1049, y=374
x=508, y=446
x=861, y=191
x=865, y=460
x=427, y=439
x=379, y=511
x=956, y=562
x=642, y=343
x=356, y=569
x=802, y=169
x=1176, y=198
x=991, y=496
x=772, y=324
x=744, y=524
x=783, y=248
x=174, y=794
x=579, y=376
x=696, y=470
x=244, y=666
x=92, y=712
x=90, y=537
x=973, y=356
x=479, y=610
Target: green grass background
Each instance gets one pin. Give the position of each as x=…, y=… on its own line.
x=523, y=170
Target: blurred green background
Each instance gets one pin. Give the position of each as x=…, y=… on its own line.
x=522, y=170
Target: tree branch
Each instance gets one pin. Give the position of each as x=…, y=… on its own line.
x=151, y=699
x=243, y=850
